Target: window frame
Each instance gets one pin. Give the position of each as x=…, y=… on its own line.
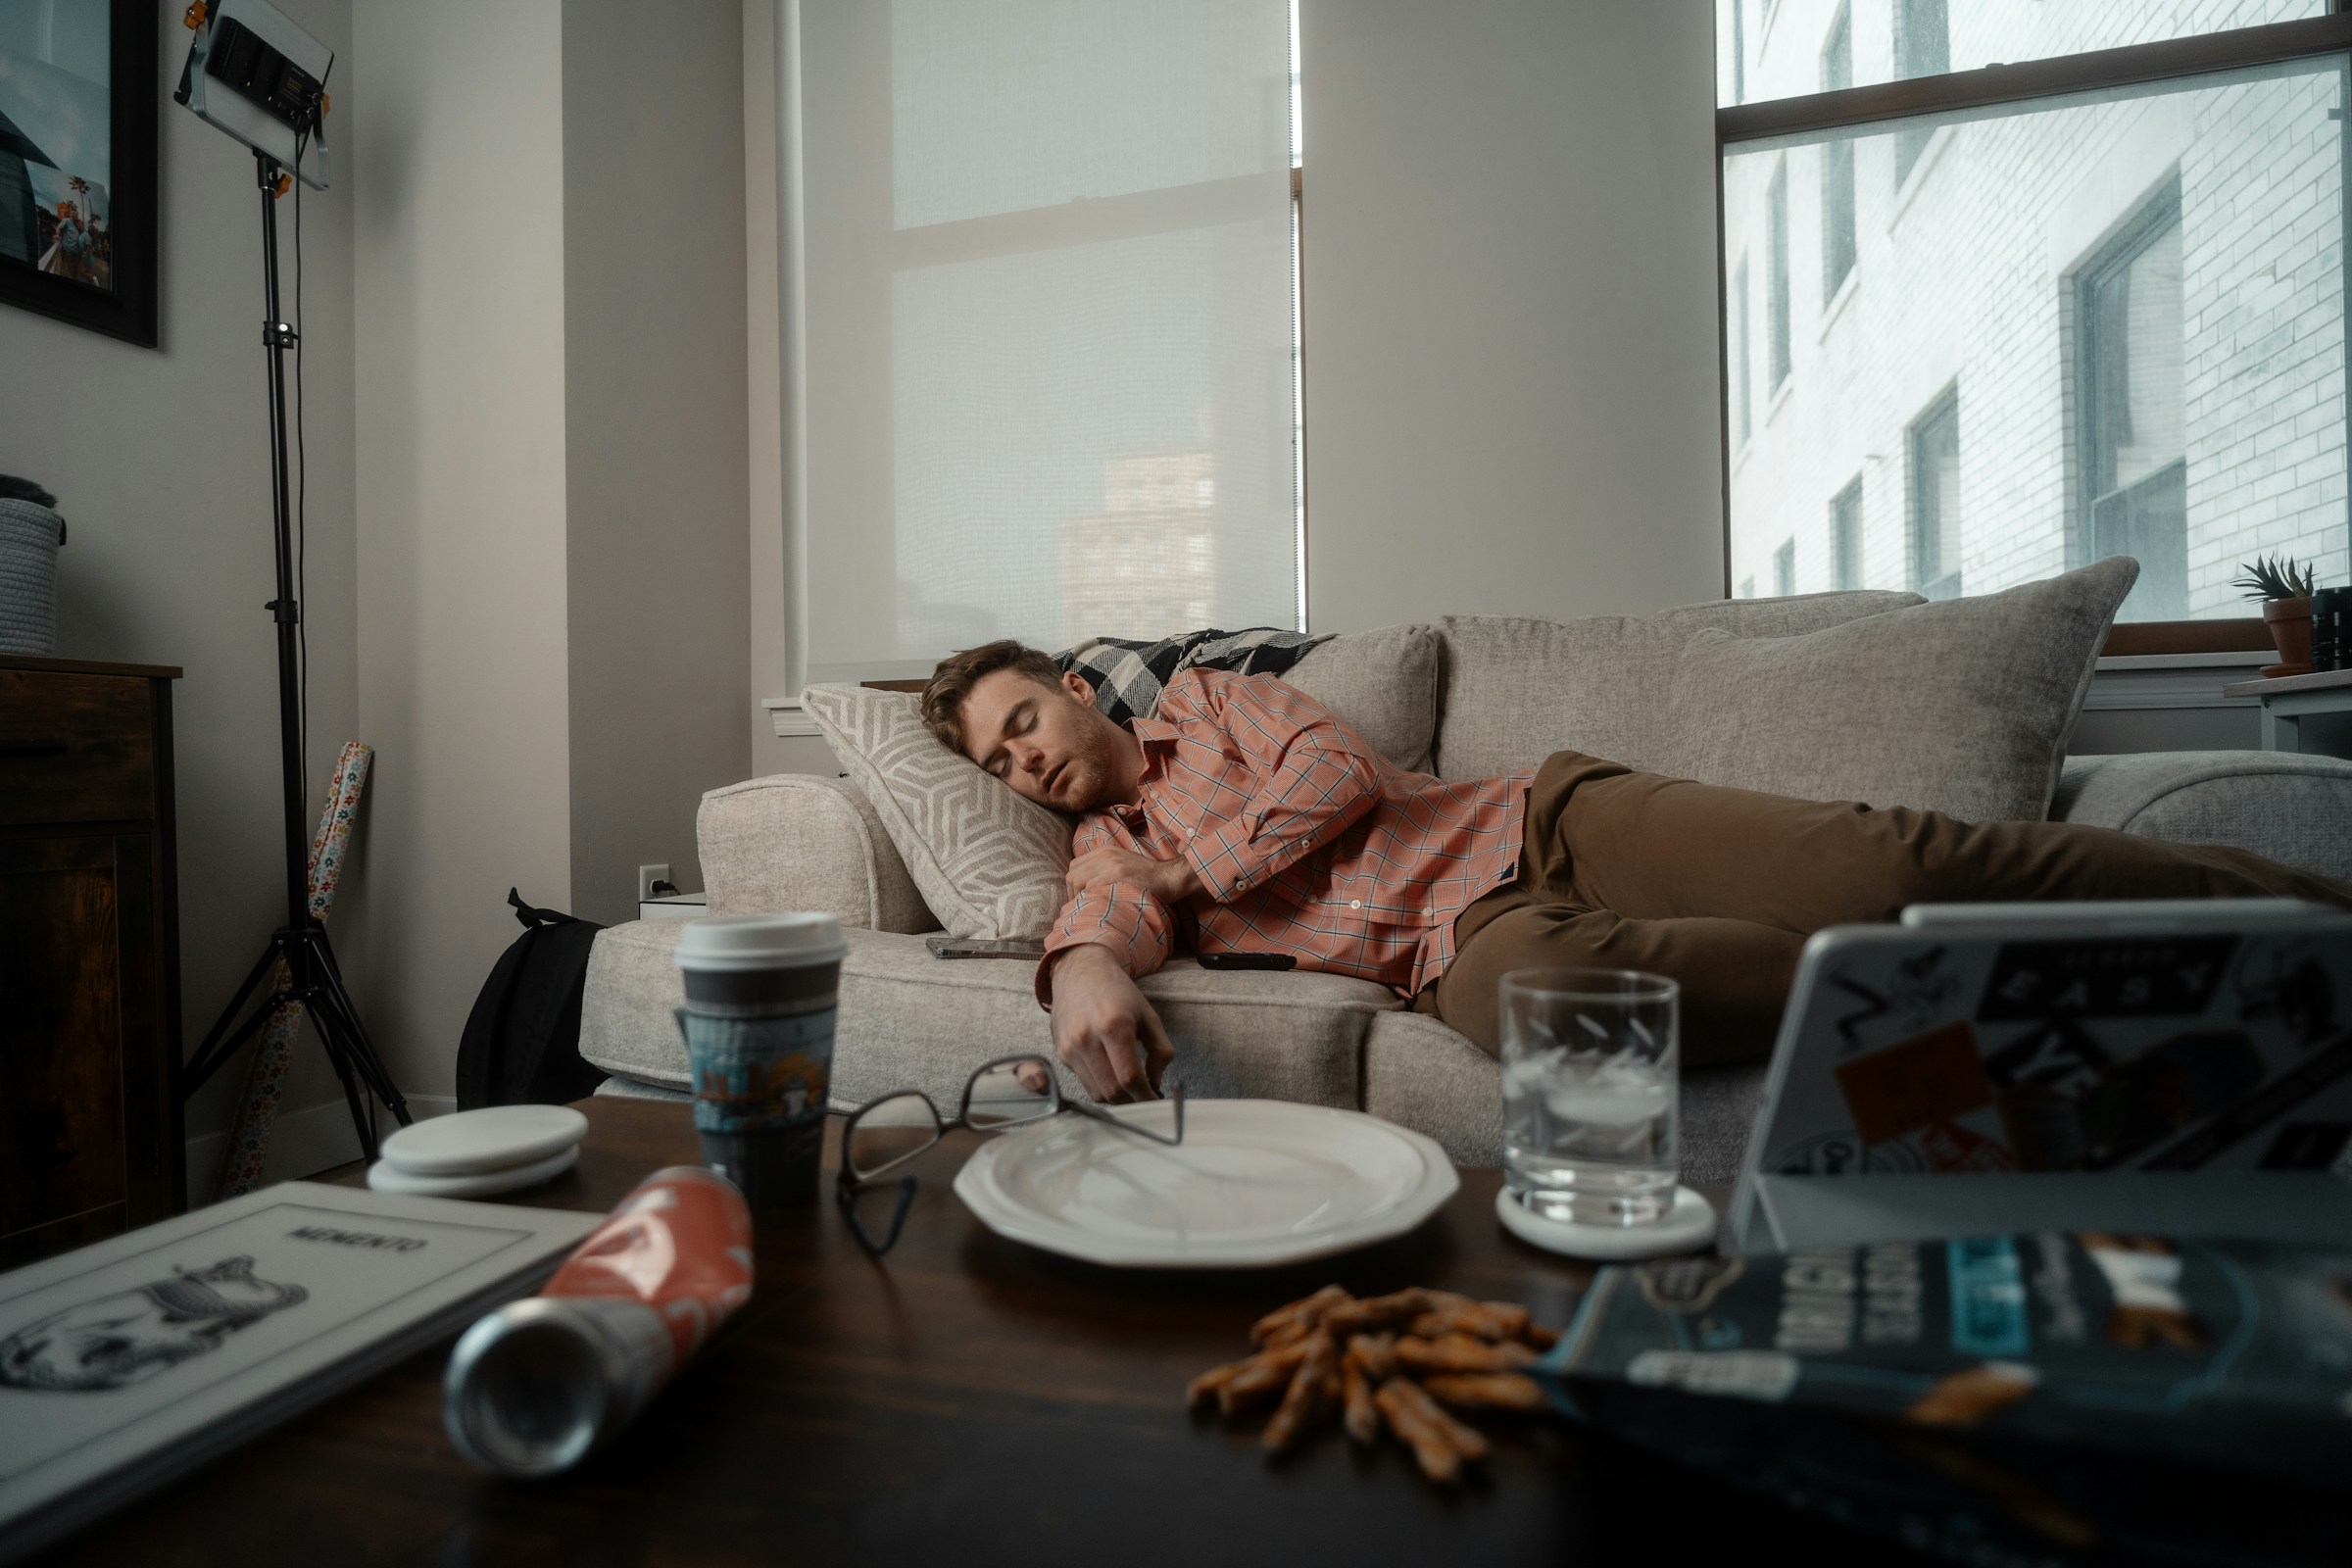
x=1942, y=408
x=2022, y=82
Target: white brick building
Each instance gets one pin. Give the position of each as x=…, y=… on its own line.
x=1992, y=349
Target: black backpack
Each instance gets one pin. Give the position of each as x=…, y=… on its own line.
x=522, y=1044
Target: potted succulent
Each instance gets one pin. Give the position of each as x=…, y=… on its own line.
x=2284, y=585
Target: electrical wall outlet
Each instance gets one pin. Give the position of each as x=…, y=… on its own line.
x=647, y=876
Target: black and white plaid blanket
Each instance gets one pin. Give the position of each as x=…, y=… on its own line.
x=1128, y=676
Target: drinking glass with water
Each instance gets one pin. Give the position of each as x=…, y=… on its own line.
x=1589, y=1094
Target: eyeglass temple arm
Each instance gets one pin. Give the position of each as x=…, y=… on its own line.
x=1175, y=1099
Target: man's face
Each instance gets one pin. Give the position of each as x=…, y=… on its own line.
x=1047, y=742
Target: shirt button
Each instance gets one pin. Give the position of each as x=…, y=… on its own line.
x=1355, y=904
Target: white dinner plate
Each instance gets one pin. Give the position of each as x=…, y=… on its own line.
x=1255, y=1183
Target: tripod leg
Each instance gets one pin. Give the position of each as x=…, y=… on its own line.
x=246, y=1030
x=329, y=1031
x=338, y=1001
x=215, y=1050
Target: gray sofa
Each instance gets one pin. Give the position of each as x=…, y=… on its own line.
x=1467, y=697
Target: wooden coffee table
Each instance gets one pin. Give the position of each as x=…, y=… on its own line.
x=965, y=1399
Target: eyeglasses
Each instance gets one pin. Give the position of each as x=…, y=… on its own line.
x=884, y=1134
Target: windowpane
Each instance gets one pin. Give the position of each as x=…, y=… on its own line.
x=1838, y=165
x=1743, y=370
x=2138, y=297
x=1845, y=536
x=1776, y=203
x=1050, y=342
x=1784, y=569
x=1766, y=52
x=1936, y=499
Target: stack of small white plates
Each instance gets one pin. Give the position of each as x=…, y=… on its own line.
x=475, y=1153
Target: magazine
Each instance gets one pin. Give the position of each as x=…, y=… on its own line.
x=2042, y=1395
x=126, y=1363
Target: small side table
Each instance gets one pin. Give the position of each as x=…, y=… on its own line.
x=2288, y=701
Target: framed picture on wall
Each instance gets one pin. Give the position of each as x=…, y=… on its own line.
x=78, y=98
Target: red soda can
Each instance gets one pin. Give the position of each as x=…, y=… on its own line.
x=540, y=1384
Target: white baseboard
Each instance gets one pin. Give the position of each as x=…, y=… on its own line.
x=302, y=1143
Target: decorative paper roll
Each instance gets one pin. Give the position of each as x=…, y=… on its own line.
x=266, y=1076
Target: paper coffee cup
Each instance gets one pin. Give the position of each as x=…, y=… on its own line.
x=759, y=1025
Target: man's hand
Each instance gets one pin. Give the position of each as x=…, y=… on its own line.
x=1169, y=881
x=1105, y=1031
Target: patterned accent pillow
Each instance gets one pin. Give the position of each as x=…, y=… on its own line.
x=989, y=863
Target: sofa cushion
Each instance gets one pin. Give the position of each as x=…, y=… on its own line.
x=2285, y=807
x=1961, y=706
x=1518, y=689
x=1384, y=684
x=988, y=863
x=912, y=1022
x=1418, y=1073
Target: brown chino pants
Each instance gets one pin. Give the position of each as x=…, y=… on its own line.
x=1718, y=889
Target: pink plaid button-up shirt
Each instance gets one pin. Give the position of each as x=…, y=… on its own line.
x=1307, y=841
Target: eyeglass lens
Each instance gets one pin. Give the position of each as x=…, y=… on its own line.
x=890, y=1132
x=1008, y=1094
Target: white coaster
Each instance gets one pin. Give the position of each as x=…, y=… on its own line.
x=1687, y=1226
x=386, y=1177
x=475, y=1143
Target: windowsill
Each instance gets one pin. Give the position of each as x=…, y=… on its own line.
x=1838, y=302
x=1779, y=397
x=790, y=719
x=2144, y=682
x=1928, y=157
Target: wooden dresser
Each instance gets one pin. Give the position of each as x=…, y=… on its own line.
x=91, y=1133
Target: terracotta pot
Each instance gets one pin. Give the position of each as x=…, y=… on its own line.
x=2291, y=628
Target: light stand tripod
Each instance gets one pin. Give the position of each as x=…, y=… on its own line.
x=311, y=979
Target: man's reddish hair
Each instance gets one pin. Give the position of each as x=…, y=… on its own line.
x=957, y=673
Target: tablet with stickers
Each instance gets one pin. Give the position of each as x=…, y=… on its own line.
x=2185, y=1069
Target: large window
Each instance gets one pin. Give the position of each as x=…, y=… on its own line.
x=1049, y=351
x=2093, y=306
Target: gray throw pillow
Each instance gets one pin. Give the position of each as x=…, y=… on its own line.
x=988, y=863
x=1962, y=706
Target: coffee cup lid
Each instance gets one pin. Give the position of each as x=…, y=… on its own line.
x=760, y=941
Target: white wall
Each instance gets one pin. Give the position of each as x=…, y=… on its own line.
x=655, y=435
x=1513, y=369
x=458, y=183
x=160, y=458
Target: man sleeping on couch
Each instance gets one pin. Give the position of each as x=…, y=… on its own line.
x=1247, y=816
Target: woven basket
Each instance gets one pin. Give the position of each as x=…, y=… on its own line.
x=29, y=539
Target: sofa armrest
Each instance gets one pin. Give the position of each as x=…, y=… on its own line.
x=796, y=841
x=2292, y=809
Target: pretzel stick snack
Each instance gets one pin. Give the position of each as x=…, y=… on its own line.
x=1310, y=1391
x=1376, y=1354
x=1362, y=1417
x=1393, y=1312
x=1494, y=1321
x=1459, y=1352
x=1464, y=1441
x=1485, y=1391
x=1303, y=1314
x=1260, y=1377
x=1431, y=1451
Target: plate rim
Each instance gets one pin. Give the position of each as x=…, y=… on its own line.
x=977, y=1186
